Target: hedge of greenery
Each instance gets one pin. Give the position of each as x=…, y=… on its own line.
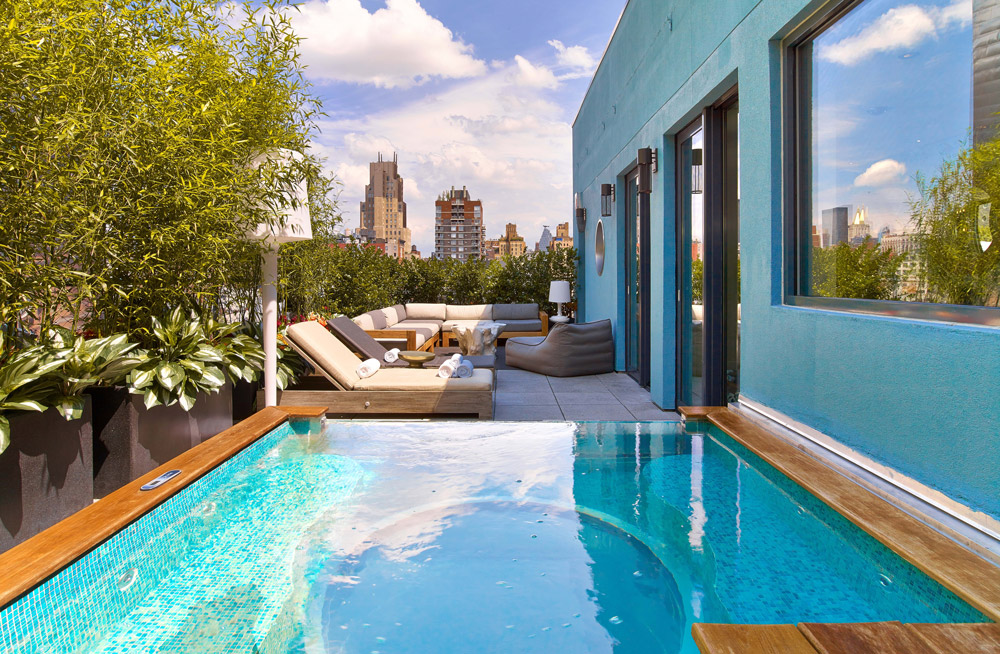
x=319, y=276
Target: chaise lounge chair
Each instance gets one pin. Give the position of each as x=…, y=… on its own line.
x=362, y=343
x=390, y=391
x=568, y=351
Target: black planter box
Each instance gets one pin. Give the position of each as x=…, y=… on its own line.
x=130, y=440
x=244, y=399
x=46, y=474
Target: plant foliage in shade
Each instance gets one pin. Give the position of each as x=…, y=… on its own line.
x=21, y=368
x=83, y=363
x=182, y=364
x=865, y=271
x=127, y=138
x=958, y=211
x=242, y=355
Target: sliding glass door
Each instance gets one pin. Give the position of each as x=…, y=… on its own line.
x=637, y=281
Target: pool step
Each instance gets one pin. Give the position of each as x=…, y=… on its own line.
x=847, y=638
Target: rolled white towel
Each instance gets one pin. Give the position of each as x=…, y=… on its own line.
x=464, y=369
x=368, y=367
x=456, y=358
x=391, y=356
x=447, y=369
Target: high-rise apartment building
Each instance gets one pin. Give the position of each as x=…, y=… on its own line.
x=511, y=242
x=545, y=241
x=458, y=226
x=860, y=228
x=564, y=237
x=833, y=228
x=383, y=211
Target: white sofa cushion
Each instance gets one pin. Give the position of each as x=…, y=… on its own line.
x=469, y=312
x=394, y=314
x=424, y=311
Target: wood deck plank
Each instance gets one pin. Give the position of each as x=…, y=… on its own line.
x=981, y=638
x=697, y=412
x=956, y=568
x=750, y=639
x=863, y=638
x=37, y=559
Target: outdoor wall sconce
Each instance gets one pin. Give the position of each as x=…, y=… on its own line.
x=697, y=171
x=581, y=219
x=607, y=199
x=645, y=162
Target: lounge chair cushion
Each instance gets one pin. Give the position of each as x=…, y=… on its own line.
x=419, y=311
x=426, y=379
x=372, y=320
x=522, y=325
x=504, y=312
x=469, y=312
x=394, y=314
x=327, y=351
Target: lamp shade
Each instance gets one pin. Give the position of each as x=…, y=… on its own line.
x=559, y=291
x=296, y=223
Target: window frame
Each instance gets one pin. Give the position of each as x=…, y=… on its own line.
x=797, y=150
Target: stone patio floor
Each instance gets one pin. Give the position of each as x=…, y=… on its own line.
x=522, y=395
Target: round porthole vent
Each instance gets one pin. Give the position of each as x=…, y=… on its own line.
x=599, y=248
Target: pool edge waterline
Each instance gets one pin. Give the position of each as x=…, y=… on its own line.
x=971, y=577
x=29, y=564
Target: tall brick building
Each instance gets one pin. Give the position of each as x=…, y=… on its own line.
x=383, y=211
x=458, y=226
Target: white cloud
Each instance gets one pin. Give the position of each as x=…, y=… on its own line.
x=899, y=28
x=575, y=56
x=882, y=173
x=529, y=74
x=400, y=45
x=508, y=141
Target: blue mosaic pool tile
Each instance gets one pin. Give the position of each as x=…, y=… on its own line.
x=211, y=569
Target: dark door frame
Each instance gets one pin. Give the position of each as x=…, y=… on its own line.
x=641, y=200
x=718, y=241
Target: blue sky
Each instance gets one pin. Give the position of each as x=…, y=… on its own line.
x=480, y=94
x=892, y=98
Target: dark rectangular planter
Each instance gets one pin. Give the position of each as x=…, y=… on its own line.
x=244, y=400
x=46, y=474
x=130, y=440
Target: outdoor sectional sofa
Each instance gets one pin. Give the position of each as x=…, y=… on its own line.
x=423, y=326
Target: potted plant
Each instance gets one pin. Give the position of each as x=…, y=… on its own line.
x=45, y=461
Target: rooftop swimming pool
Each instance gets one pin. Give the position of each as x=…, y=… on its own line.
x=479, y=537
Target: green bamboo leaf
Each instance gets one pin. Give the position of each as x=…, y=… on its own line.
x=4, y=433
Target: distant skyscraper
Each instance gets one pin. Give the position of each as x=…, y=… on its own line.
x=834, y=226
x=458, y=226
x=563, y=239
x=545, y=241
x=860, y=228
x=985, y=69
x=511, y=242
x=383, y=211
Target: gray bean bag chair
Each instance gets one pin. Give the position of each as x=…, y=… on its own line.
x=568, y=351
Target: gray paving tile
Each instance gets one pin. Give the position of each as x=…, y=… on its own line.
x=619, y=380
x=649, y=411
x=578, y=384
x=523, y=386
x=596, y=412
x=519, y=374
x=585, y=397
x=534, y=398
x=529, y=412
x=630, y=394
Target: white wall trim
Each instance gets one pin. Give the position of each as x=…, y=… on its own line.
x=976, y=530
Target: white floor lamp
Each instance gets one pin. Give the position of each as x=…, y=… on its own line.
x=297, y=227
x=559, y=293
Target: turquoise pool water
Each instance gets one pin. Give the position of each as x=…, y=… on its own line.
x=485, y=537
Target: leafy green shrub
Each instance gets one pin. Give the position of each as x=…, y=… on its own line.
x=84, y=363
x=20, y=370
x=181, y=365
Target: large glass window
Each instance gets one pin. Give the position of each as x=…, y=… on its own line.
x=897, y=104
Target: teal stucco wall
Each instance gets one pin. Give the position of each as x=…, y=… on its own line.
x=918, y=396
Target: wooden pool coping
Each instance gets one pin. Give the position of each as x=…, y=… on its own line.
x=31, y=563
x=961, y=571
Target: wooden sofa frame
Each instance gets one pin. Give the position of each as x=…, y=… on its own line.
x=410, y=336
x=324, y=390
